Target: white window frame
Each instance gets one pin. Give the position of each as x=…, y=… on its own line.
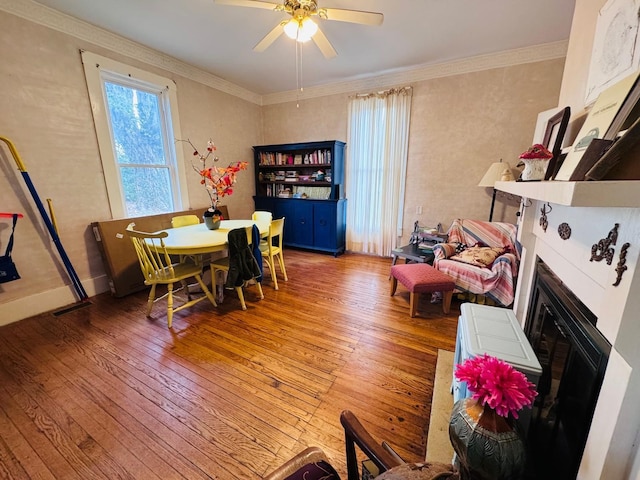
x=97, y=69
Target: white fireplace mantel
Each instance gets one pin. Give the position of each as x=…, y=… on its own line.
x=591, y=209
x=624, y=194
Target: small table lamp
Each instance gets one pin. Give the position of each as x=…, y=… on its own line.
x=497, y=171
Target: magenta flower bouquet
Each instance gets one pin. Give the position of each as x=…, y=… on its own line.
x=497, y=384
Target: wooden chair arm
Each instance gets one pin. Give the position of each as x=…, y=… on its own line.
x=309, y=455
x=356, y=434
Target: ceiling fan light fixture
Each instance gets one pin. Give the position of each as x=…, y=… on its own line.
x=308, y=27
x=291, y=29
x=300, y=30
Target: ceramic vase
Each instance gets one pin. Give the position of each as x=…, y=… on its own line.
x=487, y=446
x=534, y=169
x=212, y=219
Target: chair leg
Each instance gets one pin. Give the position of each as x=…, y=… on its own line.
x=152, y=296
x=394, y=285
x=206, y=290
x=185, y=286
x=241, y=297
x=259, y=286
x=169, y=304
x=218, y=292
x=413, y=303
x=272, y=267
x=284, y=270
x=446, y=301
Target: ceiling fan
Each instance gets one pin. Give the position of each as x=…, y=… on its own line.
x=300, y=26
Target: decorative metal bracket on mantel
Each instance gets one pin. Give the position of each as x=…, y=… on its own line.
x=602, y=249
x=544, y=223
x=621, y=267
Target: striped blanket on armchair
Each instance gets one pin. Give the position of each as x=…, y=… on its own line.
x=482, y=257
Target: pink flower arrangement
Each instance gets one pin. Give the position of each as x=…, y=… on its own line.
x=536, y=152
x=495, y=383
x=218, y=181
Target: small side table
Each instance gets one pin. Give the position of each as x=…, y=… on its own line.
x=411, y=253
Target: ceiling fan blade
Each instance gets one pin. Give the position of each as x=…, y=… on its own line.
x=353, y=16
x=324, y=44
x=248, y=3
x=270, y=37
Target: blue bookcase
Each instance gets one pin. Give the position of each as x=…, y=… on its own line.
x=304, y=182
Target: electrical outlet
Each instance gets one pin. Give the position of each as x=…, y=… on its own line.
x=419, y=210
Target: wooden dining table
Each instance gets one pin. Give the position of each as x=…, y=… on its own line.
x=197, y=239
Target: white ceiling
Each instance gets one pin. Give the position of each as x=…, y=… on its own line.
x=219, y=39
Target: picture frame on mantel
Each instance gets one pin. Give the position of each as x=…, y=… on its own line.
x=597, y=123
x=553, y=138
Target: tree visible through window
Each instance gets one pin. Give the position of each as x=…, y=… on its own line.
x=144, y=173
x=138, y=144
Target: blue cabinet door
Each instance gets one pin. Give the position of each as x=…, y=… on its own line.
x=312, y=224
x=324, y=225
x=301, y=224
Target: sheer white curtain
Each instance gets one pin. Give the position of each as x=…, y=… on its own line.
x=376, y=169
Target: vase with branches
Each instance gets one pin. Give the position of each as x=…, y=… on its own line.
x=218, y=181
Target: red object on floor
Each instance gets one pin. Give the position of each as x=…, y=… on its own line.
x=422, y=278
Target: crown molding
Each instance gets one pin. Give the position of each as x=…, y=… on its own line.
x=64, y=23
x=69, y=25
x=536, y=53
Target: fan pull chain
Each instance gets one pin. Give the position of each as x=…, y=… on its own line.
x=299, y=87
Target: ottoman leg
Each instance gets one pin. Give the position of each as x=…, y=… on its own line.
x=446, y=301
x=394, y=285
x=413, y=303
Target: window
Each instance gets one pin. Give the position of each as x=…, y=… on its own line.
x=136, y=119
x=378, y=140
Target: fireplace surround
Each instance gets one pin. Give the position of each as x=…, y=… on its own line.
x=573, y=355
x=592, y=209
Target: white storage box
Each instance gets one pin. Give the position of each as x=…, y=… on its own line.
x=496, y=332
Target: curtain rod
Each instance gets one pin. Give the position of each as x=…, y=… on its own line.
x=383, y=93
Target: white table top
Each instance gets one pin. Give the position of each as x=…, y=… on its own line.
x=197, y=239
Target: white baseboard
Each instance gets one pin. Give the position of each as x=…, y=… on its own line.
x=50, y=300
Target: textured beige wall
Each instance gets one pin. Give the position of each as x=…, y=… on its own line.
x=47, y=115
x=310, y=120
x=459, y=126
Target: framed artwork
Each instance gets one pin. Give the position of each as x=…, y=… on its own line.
x=553, y=137
x=597, y=123
x=616, y=46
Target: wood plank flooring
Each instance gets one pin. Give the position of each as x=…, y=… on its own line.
x=102, y=392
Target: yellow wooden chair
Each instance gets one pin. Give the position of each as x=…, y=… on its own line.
x=272, y=249
x=261, y=216
x=157, y=268
x=224, y=264
x=184, y=220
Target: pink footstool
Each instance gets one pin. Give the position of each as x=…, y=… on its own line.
x=422, y=278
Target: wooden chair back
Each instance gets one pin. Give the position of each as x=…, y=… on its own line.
x=261, y=216
x=155, y=262
x=184, y=220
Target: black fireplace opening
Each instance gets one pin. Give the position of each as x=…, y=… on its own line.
x=573, y=355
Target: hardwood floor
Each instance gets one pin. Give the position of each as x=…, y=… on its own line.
x=104, y=392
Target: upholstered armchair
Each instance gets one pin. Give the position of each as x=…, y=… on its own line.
x=482, y=257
